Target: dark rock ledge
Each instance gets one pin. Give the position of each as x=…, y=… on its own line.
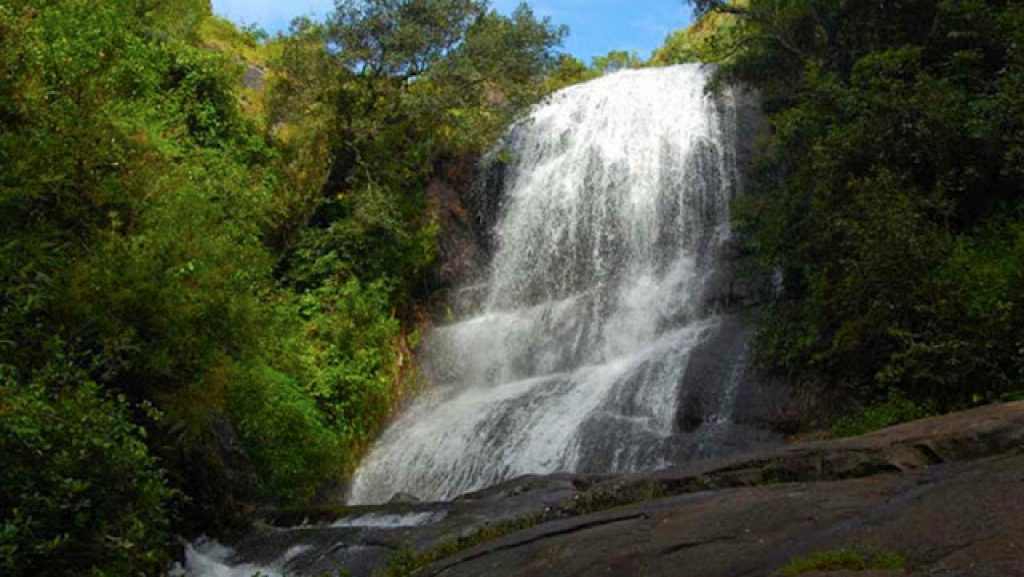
x=946, y=494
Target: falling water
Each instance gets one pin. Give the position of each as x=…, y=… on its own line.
x=614, y=207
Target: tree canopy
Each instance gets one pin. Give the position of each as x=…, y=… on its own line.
x=890, y=196
x=208, y=287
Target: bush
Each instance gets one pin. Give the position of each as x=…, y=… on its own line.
x=293, y=449
x=888, y=203
x=79, y=492
x=355, y=356
x=894, y=411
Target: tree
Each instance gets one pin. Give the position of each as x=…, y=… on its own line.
x=567, y=72
x=79, y=491
x=407, y=83
x=616, y=60
x=888, y=172
x=399, y=39
x=200, y=303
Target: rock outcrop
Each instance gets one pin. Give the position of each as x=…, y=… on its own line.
x=944, y=494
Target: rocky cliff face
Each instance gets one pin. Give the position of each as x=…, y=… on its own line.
x=466, y=215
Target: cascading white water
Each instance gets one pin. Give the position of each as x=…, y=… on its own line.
x=615, y=203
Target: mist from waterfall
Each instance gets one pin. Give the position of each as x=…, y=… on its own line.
x=614, y=207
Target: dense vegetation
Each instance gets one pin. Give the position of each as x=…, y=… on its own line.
x=207, y=287
x=889, y=203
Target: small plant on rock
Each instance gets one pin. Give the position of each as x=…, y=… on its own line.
x=842, y=560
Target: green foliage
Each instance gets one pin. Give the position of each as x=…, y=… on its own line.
x=386, y=90
x=241, y=289
x=889, y=197
x=842, y=560
x=287, y=437
x=897, y=409
x=712, y=38
x=178, y=18
x=79, y=492
x=567, y=72
x=250, y=45
x=616, y=60
x=402, y=562
x=354, y=334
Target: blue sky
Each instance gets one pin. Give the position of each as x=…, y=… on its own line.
x=595, y=26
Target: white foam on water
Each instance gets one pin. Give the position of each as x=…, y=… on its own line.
x=614, y=203
x=392, y=521
x=208, y=558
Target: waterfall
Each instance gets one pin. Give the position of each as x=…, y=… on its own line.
x=614, y=204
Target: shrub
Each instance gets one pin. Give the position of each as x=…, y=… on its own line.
x=79, y=492
x=888, y=200
x=897, y=409
x=292, y=447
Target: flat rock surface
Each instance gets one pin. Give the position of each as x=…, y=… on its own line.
x=946, y=494
x=958, y=519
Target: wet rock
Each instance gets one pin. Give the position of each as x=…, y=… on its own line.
x=959, y=519
x=404, y=498
x=945, y=493
x=729, y=289
x=720, y=385
x=466, y=212
x=752, y=129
